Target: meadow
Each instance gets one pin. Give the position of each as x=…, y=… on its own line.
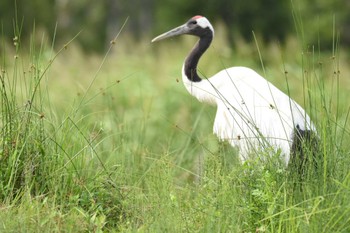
x=113, y=143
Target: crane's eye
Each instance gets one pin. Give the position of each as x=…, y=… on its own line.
x=194, y=22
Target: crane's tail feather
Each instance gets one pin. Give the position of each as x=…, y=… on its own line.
x=305, y=153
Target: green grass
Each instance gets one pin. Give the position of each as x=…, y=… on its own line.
x=117, y=144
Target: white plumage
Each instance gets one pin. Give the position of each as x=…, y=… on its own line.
x=252, y=113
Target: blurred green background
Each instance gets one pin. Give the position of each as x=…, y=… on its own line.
x=99, y=21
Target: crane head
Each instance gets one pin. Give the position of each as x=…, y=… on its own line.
x=196, y=26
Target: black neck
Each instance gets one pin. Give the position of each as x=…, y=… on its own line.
x=193, y=58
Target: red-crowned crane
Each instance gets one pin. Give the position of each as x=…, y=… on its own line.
x=252, y=113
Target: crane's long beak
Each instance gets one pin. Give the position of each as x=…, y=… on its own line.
x=183, y=29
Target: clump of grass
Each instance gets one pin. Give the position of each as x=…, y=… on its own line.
x=23, y=136
x=49, y=166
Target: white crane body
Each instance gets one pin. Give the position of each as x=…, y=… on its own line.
x=242, y=97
